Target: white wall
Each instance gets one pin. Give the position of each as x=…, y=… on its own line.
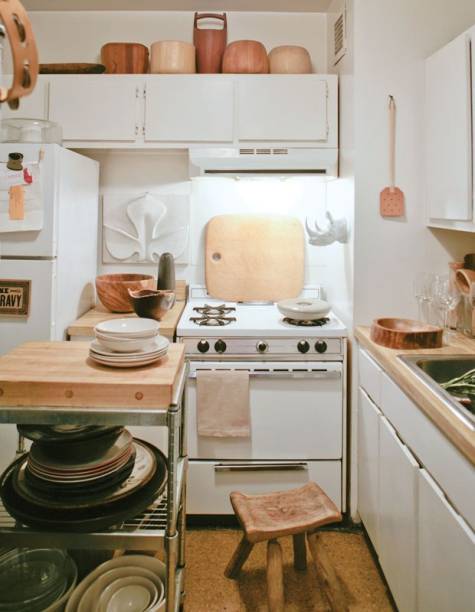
x=391, y=41
x=77, y=36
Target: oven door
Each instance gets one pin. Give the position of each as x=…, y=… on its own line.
x=296, y=412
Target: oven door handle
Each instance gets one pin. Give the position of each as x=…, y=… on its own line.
x=318, y=374
x=282, y=466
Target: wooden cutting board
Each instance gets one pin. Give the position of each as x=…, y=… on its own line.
x=254, y=257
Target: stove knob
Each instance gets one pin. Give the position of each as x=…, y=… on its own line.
x=203, y=346
x=262, y=346
x=220, y=346
x=321, y=346
x=303, y=346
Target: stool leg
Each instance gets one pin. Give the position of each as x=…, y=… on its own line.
x=327, y=576
x=275, y=577
x=300, y=552
x=238, y=559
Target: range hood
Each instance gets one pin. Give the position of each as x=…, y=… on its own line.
x=235, y=162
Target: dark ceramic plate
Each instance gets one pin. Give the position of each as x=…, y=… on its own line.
x=47, y=433
x=84, y=519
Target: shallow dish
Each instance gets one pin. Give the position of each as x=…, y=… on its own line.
x=133, y=363
x=48, y=433
x=157, y=345
x=129, y=327
x=129, y=593
x=405, y=334
x=125, y=345
x=304, y=309
x=150, y=563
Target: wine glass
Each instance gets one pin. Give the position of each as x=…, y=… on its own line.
x=423, y=294
x=446, y=297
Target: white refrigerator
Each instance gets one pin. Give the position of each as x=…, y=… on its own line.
x=59, y=260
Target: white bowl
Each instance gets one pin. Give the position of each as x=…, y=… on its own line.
x=129, y=593
x=128, y=562
x=129, y=327
x=126, y=345
x=304, y=309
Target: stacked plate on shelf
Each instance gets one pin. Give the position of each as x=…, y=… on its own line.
x=83, y=480
x=36, y=580
x=128, y=343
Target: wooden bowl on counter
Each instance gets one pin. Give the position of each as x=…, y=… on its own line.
x=152, y=303
x=113, y=289
x=405, y=334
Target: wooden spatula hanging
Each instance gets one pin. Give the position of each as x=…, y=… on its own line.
x=391, y=199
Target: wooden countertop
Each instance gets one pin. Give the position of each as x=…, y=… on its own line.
x=434, y=407
x=61, y=374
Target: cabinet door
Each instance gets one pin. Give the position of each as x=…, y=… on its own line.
x=181, y=108
x=449, y=132
x=285, y=108
x=368, y=458
x=95, y=108
x=34, y=106
x=398, y=473
x=446, y=559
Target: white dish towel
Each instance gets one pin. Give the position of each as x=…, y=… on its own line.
x=222, y=404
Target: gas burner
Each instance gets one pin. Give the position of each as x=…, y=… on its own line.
x=212, y=320
x=310, y=323
x=214, y=311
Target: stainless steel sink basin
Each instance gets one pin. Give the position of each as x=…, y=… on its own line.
x=433, y=370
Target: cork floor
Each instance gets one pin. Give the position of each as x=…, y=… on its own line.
x=207, y=590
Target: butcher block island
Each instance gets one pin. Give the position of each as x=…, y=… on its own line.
x=37, y=374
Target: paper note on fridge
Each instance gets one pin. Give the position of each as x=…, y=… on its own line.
x=28, y=178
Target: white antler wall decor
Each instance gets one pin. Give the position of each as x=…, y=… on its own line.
x=336, y=231
x=139, y=229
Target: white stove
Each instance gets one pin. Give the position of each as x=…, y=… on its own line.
x=297, y=400
x=211, y=327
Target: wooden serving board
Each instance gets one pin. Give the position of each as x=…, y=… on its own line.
x=61, y=374
x=254, y=257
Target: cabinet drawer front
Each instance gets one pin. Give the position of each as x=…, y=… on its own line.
x=283, y=108
x=95, y=108
x=182, y=108
x=369, y=376
x=446, y=558
x=209, y=485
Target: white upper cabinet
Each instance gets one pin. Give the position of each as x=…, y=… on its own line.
x=446, y=559
x=285, y=108
x=182, y=108
x=34, y=106
x=449, y=134
x=398, y=473
x=96, y=108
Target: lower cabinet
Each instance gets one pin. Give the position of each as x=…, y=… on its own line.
x=398, y=474
x=368, y=471
x=446, y=560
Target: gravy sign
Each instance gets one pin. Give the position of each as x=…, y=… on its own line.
x=14, y=298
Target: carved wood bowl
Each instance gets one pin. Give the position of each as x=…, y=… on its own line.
x=152, y=304
x=405, y=334
x=113, y=289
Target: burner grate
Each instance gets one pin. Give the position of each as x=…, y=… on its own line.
x=310, y=323
x=214, y=311
x=212, y=320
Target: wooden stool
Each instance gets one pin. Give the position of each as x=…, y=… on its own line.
x=295, y=512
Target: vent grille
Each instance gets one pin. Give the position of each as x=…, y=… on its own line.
x=339, y=37
x=263, y=151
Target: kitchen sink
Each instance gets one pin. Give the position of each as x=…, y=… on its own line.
x=436, y=369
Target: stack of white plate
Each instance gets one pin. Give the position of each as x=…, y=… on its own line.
x=128, y=343
x=133, y=582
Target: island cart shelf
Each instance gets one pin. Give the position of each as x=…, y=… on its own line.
x=151, y=396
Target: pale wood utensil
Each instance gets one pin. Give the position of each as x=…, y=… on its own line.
x=391, y=199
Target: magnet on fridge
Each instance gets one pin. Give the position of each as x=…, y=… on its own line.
x=16, y=203
x=15, y=161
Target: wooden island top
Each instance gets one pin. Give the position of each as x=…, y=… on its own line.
x=462, y=436
x=39, y=374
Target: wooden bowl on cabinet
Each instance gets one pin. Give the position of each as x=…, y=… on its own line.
x=245, y=57
x=113, y=289
x=290, y=59
x=125, y=58
x=172, y=57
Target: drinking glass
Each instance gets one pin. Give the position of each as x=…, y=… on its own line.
x=446, y=298
x=423, y=294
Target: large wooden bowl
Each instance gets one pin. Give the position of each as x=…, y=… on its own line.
x=405, y=334
x=113, y=289
x=245, y=57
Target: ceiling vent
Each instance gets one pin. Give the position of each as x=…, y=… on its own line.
x=339, y=36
